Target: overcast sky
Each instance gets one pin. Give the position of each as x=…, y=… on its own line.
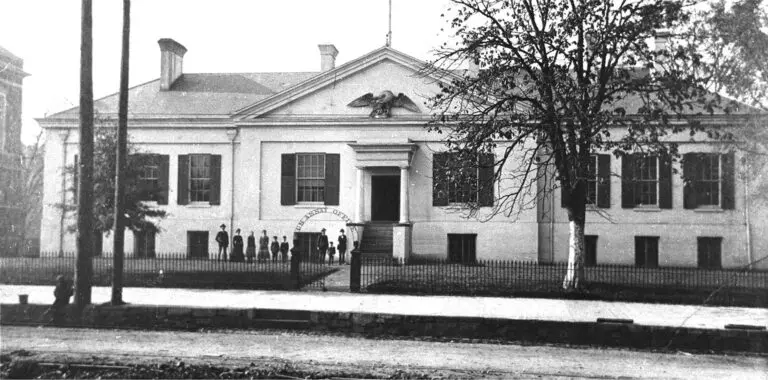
x=221, y=36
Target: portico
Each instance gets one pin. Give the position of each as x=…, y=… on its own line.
x=387, y=164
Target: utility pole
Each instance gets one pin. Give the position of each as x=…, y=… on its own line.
x=84, y=264
x=118, y=247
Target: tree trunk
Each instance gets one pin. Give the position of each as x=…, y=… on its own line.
x=574, y=274
x=118, y=248
x=84, y=265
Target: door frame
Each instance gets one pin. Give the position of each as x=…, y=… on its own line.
x=375, y=195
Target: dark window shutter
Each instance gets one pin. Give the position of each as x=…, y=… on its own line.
x=162, y=162
x=690, y=163
x=439, y=182
x=332, y=179
x=665, y=182
x=183, y=182
x=288, y=180
x=727, y=185
x=702, y=252
x=76, y=180
x=215, y=198
x=485, y=178
x=653, y=253
x=603, y=180
x=639, y=251
x=563, y=197
x=627, y=188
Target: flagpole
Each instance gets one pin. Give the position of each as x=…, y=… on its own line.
x=389, y=32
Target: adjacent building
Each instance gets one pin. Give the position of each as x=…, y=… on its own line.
x=346, y=148
x=11, y=218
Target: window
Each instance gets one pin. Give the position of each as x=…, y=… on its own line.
x=461, y=248
x=709, y=252
x=647, y=251
x=456, y=180
x=646, y=179
x=144, y=244
x=199, y=178
x=590, y=250
x=592, y=180
x=310, y=177
x=197, y=244
x=150, y=176
x=707, y=182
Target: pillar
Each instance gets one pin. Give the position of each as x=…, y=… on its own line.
x=404, y=184
x=360, y=196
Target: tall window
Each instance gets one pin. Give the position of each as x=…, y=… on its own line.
x=310, y=177
x=592, y=180
x=590, y=250
x=708, y=180
x=462, y=188
x=150, y=176
x=646, y=180
x=199, y=178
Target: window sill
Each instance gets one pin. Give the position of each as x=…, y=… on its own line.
x=199, y=205
x=708, y=209
x=646, y=209
x=309, y=205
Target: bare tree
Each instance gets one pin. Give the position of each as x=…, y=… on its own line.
x=30, y=188
x=550, y=81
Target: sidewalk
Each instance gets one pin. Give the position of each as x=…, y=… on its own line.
x=704, y=317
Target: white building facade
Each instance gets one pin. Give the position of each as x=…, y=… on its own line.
x=285, y=153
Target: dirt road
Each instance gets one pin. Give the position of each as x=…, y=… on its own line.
x=128, y=346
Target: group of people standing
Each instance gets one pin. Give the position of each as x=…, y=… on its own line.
x=324, y=246
x=279, y=250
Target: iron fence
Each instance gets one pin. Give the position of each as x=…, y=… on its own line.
x=171, y=270
x=610, y=282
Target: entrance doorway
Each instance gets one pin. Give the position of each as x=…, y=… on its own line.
x=385, y=198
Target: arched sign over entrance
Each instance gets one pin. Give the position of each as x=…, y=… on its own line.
x=326, y=210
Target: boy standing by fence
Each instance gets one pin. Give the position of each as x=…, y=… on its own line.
x=331, y=253
x=284, y=249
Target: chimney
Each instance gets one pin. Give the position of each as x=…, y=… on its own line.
x=171, y=58
x=327, y=57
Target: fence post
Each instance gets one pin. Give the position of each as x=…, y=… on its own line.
x=295, y=273
x=354, y=271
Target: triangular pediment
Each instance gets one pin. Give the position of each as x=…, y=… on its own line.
x=328, y=94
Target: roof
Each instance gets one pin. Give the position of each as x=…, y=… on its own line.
x=197, y=94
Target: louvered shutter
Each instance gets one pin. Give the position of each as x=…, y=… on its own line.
x=215, y=183
x=439, y=180
x=627, y=188
x=163, y=179
x=485, y=177
x=665, y=182
x=603, y=180
x=727, y=181
x=182, y=187
x=288, y=179
x=332, y=179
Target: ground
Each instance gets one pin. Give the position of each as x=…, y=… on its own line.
x=315, y=355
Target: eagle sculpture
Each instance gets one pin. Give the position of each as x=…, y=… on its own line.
x=383, y=103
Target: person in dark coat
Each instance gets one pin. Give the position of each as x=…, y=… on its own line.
x=62, y=293
x=342, y=247
x=223, y=239
x=274, y=248
x=250, y=250
x=322, y=244
x=263, y=246
x=284, y=248
x=237, y=248
x=331, y=253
